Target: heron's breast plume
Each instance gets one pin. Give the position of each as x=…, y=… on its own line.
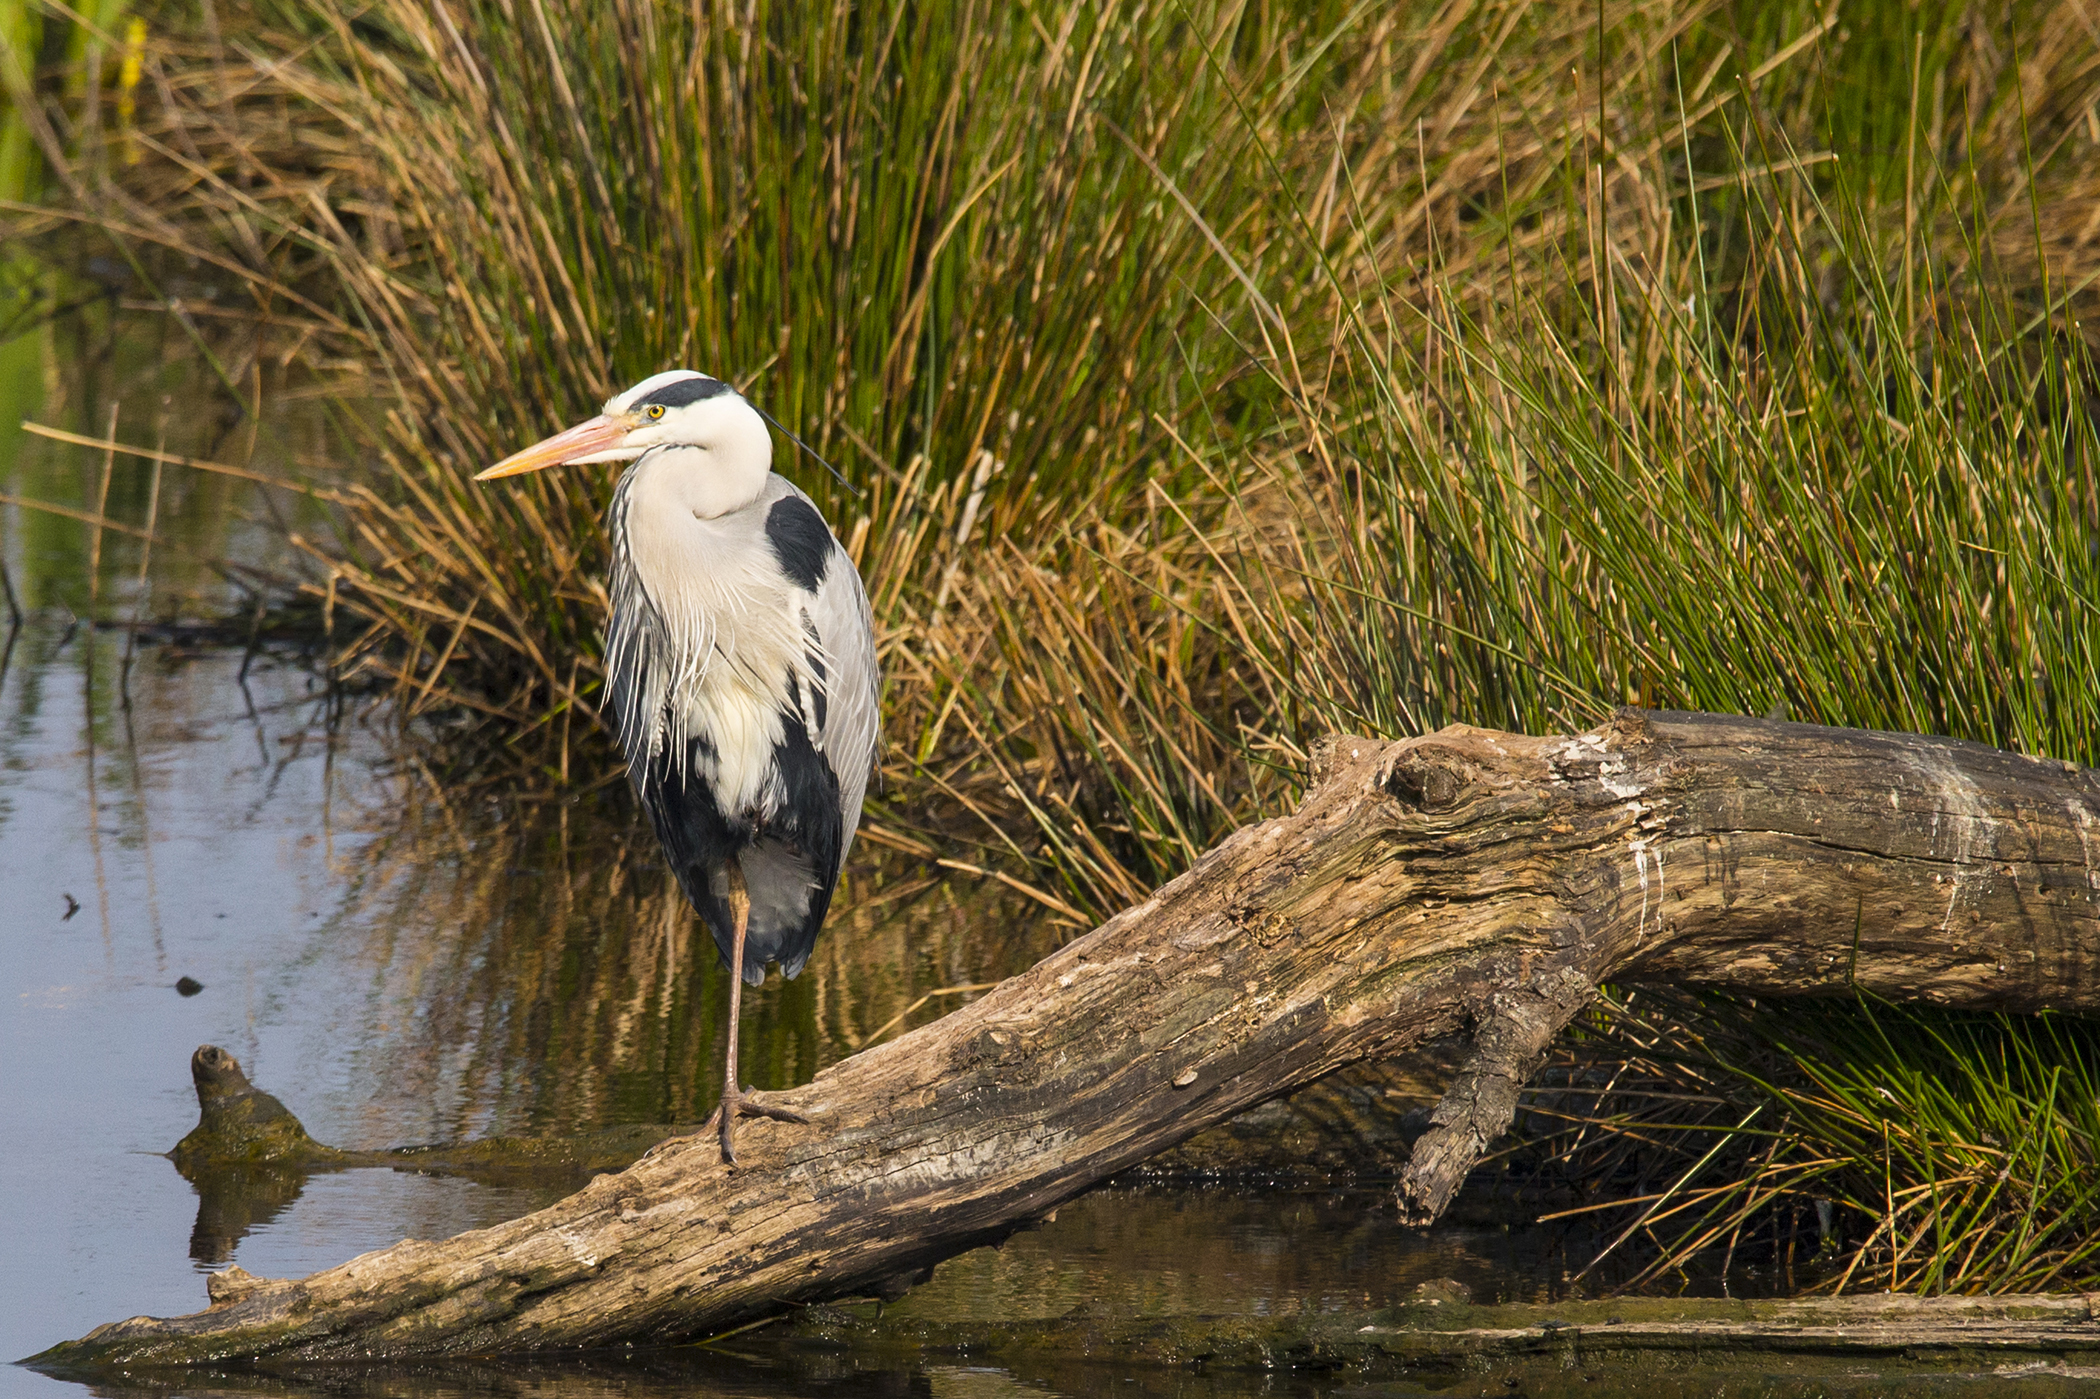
x=723, y=633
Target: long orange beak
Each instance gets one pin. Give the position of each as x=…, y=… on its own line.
x=585, y=439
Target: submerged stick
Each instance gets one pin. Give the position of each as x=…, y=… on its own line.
x=1467, y=881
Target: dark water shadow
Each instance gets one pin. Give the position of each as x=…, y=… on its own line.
x=790, y=1371
x=632, y=1374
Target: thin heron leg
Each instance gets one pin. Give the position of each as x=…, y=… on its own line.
x=737, y=1100
x=740, y=920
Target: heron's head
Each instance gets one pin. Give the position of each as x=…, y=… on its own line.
x=715, y=435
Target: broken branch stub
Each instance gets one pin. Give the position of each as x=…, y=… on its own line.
x=1464, y=881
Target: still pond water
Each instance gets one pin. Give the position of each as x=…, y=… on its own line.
x=403, y=963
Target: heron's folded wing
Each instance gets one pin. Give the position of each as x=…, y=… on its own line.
x=844, y=645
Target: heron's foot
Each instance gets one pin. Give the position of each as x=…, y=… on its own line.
x=738, y=1103
x=750, y=1104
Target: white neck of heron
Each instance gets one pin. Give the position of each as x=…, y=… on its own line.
x=715, y=480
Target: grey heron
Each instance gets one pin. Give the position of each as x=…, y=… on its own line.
x=740, y=672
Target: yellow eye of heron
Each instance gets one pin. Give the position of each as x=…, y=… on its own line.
x=656, y=410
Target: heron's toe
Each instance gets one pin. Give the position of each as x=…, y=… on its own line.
x=750, y=1104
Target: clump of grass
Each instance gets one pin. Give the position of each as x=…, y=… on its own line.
x=1808, y=505
x=1844, y=1144
x=1511, y=326
x=933, y=238
x=1003, y=256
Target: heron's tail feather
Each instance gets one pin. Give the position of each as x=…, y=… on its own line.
x=788, y=904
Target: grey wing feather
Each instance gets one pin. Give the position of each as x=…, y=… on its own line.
x=639, y=661
x=851, y=722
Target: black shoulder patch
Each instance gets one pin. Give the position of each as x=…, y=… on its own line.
x=679, y=392
x=800, y=540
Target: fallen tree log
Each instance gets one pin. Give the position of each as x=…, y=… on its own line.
x=1465, y=882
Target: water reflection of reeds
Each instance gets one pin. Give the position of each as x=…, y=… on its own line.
x=218, y=542
x=537, y=969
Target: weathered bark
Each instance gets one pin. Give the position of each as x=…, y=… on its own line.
x=1467, y=881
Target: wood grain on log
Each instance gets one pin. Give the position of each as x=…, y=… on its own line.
x=1467, y=881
